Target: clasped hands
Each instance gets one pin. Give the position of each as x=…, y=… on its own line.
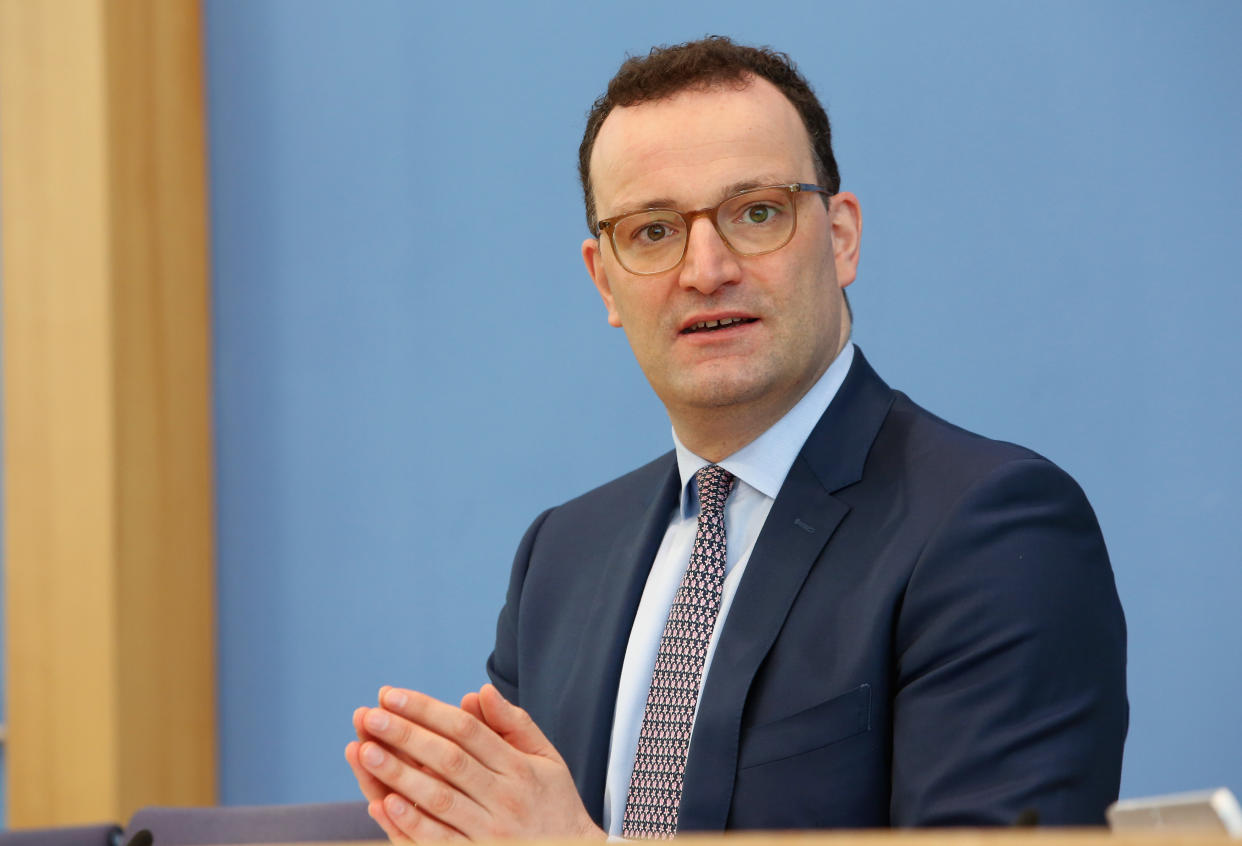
x=430, y=771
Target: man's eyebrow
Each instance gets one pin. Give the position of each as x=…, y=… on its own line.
x=724, y=194
x=748, y=184
x=644, y=205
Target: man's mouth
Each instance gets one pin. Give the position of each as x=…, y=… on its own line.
x=713, y=325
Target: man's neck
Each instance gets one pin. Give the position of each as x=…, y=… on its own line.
x=715, y=446
x=715, y=433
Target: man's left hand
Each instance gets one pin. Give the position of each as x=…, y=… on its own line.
x=482, y=771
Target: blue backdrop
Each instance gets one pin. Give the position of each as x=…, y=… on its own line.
x=411, y=362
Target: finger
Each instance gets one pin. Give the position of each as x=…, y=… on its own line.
x=360, y=716
x=359, y=729
x=454, y=724
x=431, y=752
x=414, y=824
x=470, y=704
x=372, y=789
x=432, y=795
x=377, y=812
x=514, y=724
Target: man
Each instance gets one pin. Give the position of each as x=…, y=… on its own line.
x=884, y=620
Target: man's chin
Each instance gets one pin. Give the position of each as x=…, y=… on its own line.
x=721, y=392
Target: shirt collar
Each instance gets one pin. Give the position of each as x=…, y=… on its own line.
x=764, y=462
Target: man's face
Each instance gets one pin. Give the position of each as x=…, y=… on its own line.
x=690, y=152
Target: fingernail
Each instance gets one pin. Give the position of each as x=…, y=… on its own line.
x=395, y=698
x=376, y=720
x=372, y=756
x=396, y=807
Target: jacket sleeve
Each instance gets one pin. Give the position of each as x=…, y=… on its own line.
x=502, y=666
x=1010, y=661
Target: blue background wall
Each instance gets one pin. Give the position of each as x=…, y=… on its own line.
x=411, y=362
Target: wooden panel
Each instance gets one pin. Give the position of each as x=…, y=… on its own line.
x=166, y=585
x=108, y=544
x=906, y=837
x=966, y=837
x=58, y=458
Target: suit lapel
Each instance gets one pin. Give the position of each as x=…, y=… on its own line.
x=586, y=710
x=799, y=526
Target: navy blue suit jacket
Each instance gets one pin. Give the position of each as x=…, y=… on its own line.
x=927, y=633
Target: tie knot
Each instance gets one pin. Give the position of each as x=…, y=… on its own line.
x=714, y=483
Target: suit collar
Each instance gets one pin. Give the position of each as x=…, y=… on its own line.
x=838, y=446
x=764, y=462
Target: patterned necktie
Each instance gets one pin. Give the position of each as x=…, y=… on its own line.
x=660, y=764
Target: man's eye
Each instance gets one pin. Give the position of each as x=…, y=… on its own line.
x=652, y=232
x=758, y=213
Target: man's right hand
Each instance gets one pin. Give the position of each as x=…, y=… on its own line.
x=429, y=774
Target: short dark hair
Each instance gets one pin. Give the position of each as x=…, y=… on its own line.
x=710, y=61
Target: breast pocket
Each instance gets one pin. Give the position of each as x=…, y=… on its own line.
x=818, y=726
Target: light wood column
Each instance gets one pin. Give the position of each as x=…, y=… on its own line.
x=108, y=553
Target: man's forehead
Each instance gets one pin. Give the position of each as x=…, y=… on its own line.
x=696, y=143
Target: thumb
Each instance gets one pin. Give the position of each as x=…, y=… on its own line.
x=513, y=724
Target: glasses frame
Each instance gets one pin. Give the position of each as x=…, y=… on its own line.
x=689, y=217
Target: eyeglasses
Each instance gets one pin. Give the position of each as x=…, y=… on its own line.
x=754, y=222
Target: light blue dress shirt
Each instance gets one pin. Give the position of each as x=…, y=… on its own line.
x=760, y=467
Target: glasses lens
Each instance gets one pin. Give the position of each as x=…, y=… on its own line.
x=757, y=221
x=650, y=241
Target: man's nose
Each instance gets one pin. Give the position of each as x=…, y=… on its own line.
x=709, y=263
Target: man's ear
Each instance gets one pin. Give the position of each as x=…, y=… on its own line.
x=593, y=258
x=845, y=216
